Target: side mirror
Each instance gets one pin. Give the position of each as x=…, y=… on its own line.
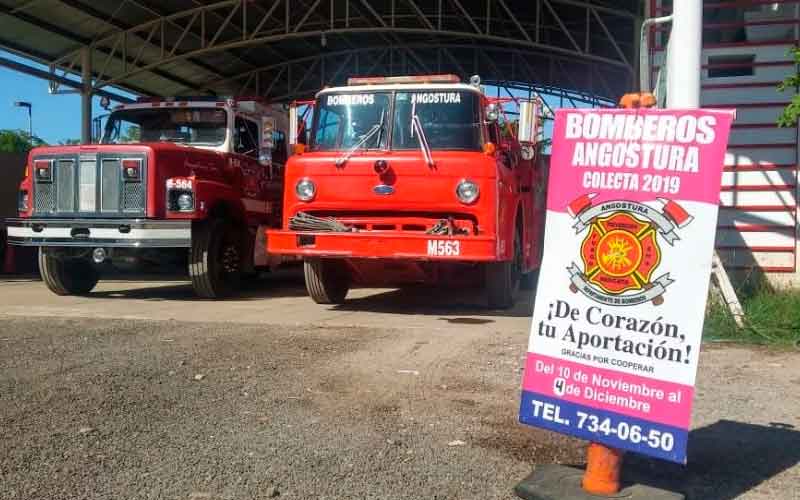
x=528, y=121
x=527, y=152
x=267, y=130
x=492, y=113
x=294, y=122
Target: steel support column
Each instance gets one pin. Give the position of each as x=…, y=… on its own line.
x=86, y=95
x=684, y=53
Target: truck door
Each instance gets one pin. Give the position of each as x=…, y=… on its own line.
x=253, y=174
x=279, y=154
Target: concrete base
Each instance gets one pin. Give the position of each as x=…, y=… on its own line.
x=557, y=482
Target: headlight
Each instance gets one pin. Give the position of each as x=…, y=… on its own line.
x=132, y=170
x=305, y=190
x=185, y=202
x=43, y=170
x=467, y=192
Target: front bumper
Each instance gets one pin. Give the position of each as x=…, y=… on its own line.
x=109, y=233
x=377, y=245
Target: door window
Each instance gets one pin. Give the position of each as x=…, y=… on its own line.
x=246, y=137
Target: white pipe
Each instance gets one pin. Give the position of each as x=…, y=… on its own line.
x=644, y=50
x=683, y=58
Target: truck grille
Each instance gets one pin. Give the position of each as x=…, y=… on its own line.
x=90, y=185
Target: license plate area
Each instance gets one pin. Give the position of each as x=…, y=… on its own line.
x=444, y=248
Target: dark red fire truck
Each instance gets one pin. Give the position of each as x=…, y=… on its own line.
x=190, y=181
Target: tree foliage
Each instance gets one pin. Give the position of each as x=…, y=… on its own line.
x=791, y=112
x=18, y=141
x=131, y=135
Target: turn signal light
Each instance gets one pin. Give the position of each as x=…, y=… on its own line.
x=298, y=149
x=489, y=148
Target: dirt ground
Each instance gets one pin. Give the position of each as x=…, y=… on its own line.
x=136, y=392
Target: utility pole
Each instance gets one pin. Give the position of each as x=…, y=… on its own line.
x=86, y=95
x=684, y=53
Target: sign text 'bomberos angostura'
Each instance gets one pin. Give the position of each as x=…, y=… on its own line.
x=631, y=217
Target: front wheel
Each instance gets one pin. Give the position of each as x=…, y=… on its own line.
x=67, y=276
x=215, y=260
x=529, y=280
x=503, y=278
x=327, y=280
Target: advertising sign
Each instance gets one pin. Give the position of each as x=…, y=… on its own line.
x=631, y=219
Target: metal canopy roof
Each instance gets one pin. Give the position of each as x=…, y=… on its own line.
x=287, y=49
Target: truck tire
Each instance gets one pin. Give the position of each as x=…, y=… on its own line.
x=529, y=280
x=503, y=278
x=327, y=280
x=67, y=276
x=215, y=259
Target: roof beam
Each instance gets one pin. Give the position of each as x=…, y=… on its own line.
x=90, y=11
x=46, y=75
x=75, y=38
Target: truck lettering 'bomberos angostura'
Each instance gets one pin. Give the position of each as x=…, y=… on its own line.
x=188, y=181
x=408, y=180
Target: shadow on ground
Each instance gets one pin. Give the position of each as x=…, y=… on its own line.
x=282, y=283
x=726, y=460
x=445, y=302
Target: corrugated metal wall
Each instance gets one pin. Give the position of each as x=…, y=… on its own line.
x=745, y=56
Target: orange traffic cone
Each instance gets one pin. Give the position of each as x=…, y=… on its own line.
x=603, y=466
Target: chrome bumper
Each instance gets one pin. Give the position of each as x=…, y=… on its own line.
x=109, y=233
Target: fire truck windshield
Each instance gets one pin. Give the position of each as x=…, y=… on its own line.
x=191, y=126
x=345, y=120
x=450, y=120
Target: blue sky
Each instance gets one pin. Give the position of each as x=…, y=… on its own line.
x=55, y=117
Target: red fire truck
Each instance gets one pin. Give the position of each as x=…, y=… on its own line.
x=187, y=181
x=408, y=180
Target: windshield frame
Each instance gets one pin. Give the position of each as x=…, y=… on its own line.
x=216, y=146
x=388, y=127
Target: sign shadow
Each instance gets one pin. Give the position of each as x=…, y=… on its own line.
x=725, y=460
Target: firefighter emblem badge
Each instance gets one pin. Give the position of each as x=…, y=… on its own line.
x=621, y=250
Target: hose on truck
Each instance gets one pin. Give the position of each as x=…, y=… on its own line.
x=305, y=222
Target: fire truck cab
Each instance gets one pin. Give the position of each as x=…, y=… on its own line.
x=187, y=181
x=407, y=180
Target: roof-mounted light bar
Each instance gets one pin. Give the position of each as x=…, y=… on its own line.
x=388, y=80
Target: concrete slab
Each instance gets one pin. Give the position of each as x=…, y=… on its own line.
x=558, y=482
x=277, y=299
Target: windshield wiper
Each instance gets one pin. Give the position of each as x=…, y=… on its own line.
x=378, y=127
x=416, y=124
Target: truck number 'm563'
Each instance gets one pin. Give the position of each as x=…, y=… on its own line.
x=440, y=248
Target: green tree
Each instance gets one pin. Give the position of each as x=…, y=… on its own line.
x=132, y=134
x=791, y=112
x=69, y=142
x=18, y=141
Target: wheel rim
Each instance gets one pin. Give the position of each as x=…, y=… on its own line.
x=230, y=259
